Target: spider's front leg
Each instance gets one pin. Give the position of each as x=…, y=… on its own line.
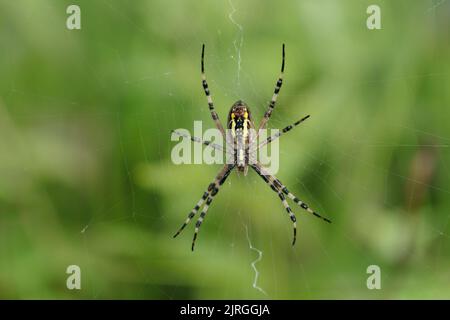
x=272, y=103
x=214, y=114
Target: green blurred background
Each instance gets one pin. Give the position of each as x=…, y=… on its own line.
x=86, y=176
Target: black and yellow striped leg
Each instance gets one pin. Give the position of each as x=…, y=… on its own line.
x=272, y=103
x=279, y=133
x=283, y=200
x=212, y=186
x=285, y=190
x=199, y=140
x=214, y=190
x=302, y=204
x=214, y=114
x=193, y=213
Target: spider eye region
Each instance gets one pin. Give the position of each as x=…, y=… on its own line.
x=239, y=116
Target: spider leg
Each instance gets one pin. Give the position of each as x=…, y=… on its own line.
x=283, y=200
x=279, y=133
x=211, y=196
x=214, y=114
x=199, y=140
x=193, y=212
x=274, y=97
x=212, y=186
x=277, y=183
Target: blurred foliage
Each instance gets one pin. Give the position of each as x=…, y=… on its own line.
x=86, y=174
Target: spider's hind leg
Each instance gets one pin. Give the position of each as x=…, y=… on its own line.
x=214, y=191
x=206, y=199
x=212, y=186
x=282, y=198
x=277, y=183
x=192, y=213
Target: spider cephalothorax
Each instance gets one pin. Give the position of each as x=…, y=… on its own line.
x=242, y=143
x=240, y=115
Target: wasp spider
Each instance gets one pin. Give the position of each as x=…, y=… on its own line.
x=239, y=124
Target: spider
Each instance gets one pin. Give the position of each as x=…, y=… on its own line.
x=239, y=124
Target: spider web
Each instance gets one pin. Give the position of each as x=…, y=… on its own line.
x=258, y=276
x=253, y=246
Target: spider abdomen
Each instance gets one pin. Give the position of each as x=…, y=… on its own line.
x=239, y=122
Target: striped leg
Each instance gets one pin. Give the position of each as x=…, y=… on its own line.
x=213, y=193
x=214, y=114
x=199, y=140
x=274, y=97
x=193, y=212
x=212, y=186
x=280, y=186
x=279, y=133
x=283, y=200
